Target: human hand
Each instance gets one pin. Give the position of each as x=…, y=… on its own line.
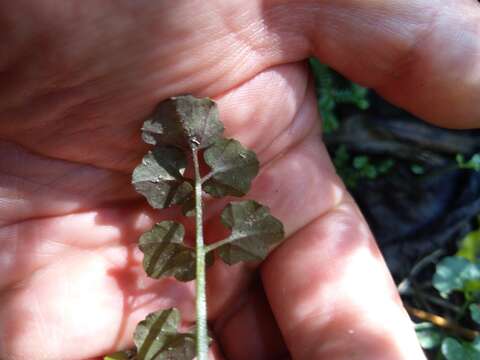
x=77, y=81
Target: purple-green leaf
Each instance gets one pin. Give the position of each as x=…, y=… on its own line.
x=254, y=232
x=157, y=338
x=165, y=254
x=160, y=179
x=184, y=121
x=233, y=167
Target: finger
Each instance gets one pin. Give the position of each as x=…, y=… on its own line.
x=422, y=55
x=332, y=294
x=249, y=330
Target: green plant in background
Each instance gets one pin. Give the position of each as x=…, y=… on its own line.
x=472, y=164
x=454, y=334
x=332, y=89
x=191, y=160
x=470, y=246
x=417, y=169
x=354, y=168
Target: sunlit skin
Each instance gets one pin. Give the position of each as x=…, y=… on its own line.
x=77, y=80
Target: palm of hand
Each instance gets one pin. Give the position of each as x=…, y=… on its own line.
x=72, y=284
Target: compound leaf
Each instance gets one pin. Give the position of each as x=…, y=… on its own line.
x=233, y=168
x=156, y=338
x=184, y=121
x=166, y=255
x=254, y=231
x=160, y=177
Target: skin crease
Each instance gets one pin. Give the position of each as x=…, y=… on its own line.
x=77, y=80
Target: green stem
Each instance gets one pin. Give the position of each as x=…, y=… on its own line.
x=201, y=301
x=207, y=177
x=216, y=245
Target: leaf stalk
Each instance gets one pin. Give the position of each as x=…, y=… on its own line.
x=216, y=245
x=207, y=177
